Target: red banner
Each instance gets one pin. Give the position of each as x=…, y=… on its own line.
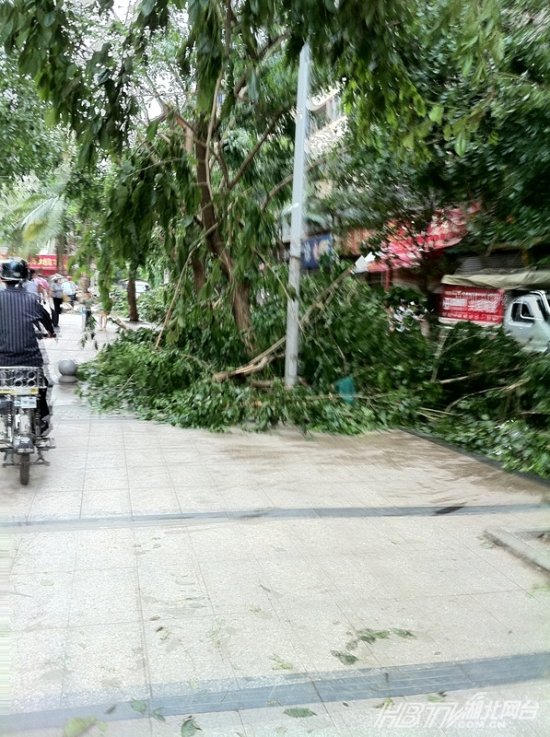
x=47, y=264
x=472, y=304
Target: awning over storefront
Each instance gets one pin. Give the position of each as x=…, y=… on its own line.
x=405, y=251
x=523, y=279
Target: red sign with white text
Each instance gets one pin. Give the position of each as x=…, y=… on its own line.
x=472, y=304
x=47, y=264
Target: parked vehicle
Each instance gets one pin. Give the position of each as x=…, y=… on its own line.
x=141, y=286
x=20, y=437
x=501, y=300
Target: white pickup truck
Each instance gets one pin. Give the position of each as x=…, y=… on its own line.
x=501, y=299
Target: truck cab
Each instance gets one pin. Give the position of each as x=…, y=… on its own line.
x=518, y=301
x=527, y=320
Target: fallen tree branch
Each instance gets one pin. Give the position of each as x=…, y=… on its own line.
x=119, y=322
x=473, y=375
x=270, y=354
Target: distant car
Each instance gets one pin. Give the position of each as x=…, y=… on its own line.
x=141, y=286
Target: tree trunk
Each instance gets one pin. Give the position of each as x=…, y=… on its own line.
x=199, y=276
x=133, y=314
x=60, y=250
x=240, y=303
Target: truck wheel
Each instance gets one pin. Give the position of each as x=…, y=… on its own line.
x=24, y=469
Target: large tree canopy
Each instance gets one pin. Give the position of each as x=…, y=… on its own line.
x=483, y=141
x=27, y=143
x=218, y=77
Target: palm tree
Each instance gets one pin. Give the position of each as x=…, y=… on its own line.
x=35, y=215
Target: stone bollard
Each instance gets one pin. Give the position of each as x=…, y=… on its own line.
x=67, y=368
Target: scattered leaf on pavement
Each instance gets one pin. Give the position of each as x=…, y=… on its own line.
x=78, y=726
x=435, y=697
x=299, y=712
x=368, y=635
x=139, y=706
x=384, y=704
x=403, y=633
x=345, y=658
x=156, y=714
x=280, y=664
x=189, y=727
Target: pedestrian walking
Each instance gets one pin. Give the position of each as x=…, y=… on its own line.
x=88, y=320
x=69, y=290
x=56, y=292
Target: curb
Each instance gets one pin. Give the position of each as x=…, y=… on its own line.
x=517, y=542
x=476, y=456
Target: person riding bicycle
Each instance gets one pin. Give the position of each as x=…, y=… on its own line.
x=20, y=316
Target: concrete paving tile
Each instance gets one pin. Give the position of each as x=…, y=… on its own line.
x=105, y=549
x=188, y=475
x=103, y=459
x=61, y=480
x=510, y=711
x=103, y=479
x=62, y=461
x=43, y=552
x=463, y=629
x=160, y=549
x=104, y=663
x=129, y=728
x=326, y=640
x=111, y=503
x=520, y=573
x=189, y=455
x=137, y=458
x=45, y=732
x=9, y=547
x=186, y=652
x=158, y=500
x=104, y=597
x=198, y=497
x=258, y=647
x=525, y=617
x=54, y=506
x=222, y=724
x=17, y=507
x=241, y=590
x=281, y=539
x=406, y=639
x=150, y=476
x=108, y=444
x=273, y=721
x=368, y=718
x=219, y=541
x=171, y=593
x=40, y=600
x=158, y=537
x=237, y=475
x=237, y=497
x=37, y=670
x=352, y=575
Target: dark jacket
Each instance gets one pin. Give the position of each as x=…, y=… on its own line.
x=19, y=313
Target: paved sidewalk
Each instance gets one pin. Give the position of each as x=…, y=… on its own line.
x=266, y=584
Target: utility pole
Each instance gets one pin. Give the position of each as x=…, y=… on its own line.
x=297, y=223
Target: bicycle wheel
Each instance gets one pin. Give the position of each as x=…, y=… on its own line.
x=24, y=469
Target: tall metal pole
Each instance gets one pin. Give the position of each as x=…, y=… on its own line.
x=297, y=223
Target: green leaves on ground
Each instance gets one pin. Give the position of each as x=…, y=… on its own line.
x=472, y=386
x=78, y=726
x=345, y=658
x=139, y=706
x=299, y=712
x=189, y=727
